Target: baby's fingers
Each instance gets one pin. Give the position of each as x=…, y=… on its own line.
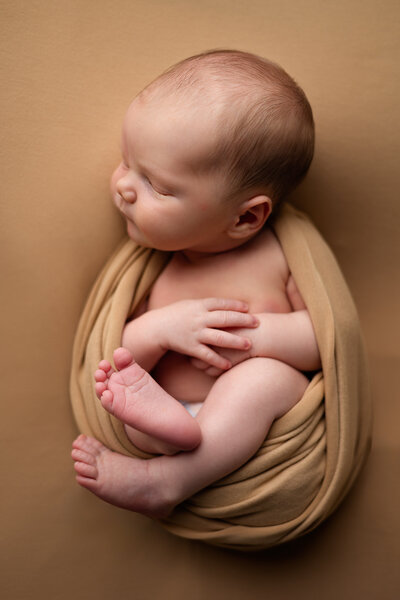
x=203, y=366
x=225, y=304
x=212, y=358
x=223, y=339
x=199, y=364
x=224, y=319
x=214, y=372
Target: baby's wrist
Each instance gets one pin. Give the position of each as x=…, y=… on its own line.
x=259, y=337
x=158, y=328
x=254, y=336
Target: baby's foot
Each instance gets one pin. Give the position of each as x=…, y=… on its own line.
x=136, y=399
x=130, y=483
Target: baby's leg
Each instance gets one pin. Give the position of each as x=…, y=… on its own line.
x=234, y=420
x=154, y=421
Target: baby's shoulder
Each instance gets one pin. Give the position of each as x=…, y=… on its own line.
x=267, y=274
x=268, y=251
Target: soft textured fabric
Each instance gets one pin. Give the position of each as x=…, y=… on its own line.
x=310, y=456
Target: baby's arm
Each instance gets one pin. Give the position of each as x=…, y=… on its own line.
x=288, y=337
x=189, y=327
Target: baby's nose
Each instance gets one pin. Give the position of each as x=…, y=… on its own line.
x=126, y=191
x=128, y=196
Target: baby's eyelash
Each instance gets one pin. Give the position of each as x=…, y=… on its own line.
x=147, y=180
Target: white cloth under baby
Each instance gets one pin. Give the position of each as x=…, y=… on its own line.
x=192, y=407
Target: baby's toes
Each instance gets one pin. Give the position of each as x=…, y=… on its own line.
x=89, y=445
x=94, y=446
x=105, y=366
x=80, y=442
x=107, y=398
x=85, y=470
x=100, y=388
x=100, y=375
x=82, y=456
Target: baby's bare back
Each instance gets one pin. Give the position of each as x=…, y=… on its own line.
x=256, y=273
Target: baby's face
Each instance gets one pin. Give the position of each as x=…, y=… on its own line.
x=166, y=203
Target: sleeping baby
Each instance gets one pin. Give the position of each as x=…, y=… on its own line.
x=222, y=344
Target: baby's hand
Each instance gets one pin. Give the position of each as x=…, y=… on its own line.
x=192, y=326
x=233, y=356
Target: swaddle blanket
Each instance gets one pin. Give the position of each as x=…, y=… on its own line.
x=310, y=456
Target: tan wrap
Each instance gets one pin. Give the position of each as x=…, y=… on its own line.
x=311, y=455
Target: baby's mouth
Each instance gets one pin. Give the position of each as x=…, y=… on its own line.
x=127, y=219
x=118, y=201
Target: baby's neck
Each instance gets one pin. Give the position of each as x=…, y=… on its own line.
x=193, y=256
x=196, y=257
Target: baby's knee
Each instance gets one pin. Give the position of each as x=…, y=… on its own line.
x=288, y=383
x=281, y=382
x=281, y=372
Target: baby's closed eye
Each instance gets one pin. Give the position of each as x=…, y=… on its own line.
x=155, y=187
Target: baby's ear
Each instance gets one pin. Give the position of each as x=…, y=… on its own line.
x=251, y=217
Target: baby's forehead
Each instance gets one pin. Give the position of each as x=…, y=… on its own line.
x=182, y=111
x=188, y=102
x=176, y=129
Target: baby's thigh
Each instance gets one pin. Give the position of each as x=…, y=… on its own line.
x=265, y=383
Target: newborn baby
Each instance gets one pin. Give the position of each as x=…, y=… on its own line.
x=209, y=150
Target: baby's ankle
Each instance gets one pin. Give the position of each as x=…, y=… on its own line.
x=165, y=494
x=149, y=444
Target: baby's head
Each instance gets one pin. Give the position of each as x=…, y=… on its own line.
x=264, y=123
x=228, y=127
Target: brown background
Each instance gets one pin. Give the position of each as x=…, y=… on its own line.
x=68, y=71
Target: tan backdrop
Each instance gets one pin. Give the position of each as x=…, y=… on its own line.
x=69, y=69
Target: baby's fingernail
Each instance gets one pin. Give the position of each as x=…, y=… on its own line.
x=247, y=344
x=256, y=321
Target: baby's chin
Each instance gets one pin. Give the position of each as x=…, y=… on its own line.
x=136, y=236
